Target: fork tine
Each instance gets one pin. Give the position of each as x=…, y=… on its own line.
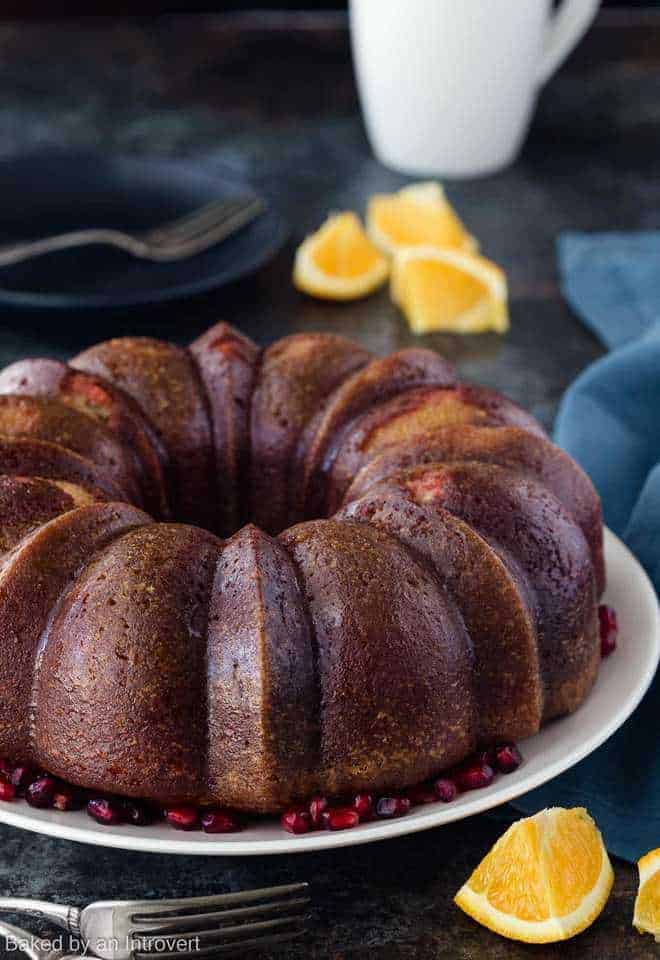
x=208, y=237
x=200, y=939
x=196, y=223
x=173, y=225
x=248, y=944
x=150, y=909
x=183, y=922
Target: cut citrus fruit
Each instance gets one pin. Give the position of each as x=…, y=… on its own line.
x=418, y=215
x=546, y=879
x=449, y=290
x=339, y=261
x=647, y=903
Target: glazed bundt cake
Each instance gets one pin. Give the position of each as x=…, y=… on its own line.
x=241, y=576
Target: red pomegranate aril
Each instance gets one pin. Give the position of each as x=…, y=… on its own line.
x=507, y=758
x=7, y=790
x=317, y=806
x=421, y=794
x=297, y=820
x=473, y=776
x=340, y=818
x=5, y=770
x=609, y=629
x=390, y=807
x=445, y=789
x=138, y=813
x=67, y=797
x=40, y=792
x=105, y=810
x=183, y=817
x=22, y=777
x=363, y=804
x=486, y=755
x=221, y=821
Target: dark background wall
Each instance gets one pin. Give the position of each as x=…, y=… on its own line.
x=18, y=8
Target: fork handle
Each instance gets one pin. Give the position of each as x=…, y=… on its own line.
x=61, y=914
x=16, y=252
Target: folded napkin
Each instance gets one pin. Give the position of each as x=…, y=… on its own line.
x=609, y=421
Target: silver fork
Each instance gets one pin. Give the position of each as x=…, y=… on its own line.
x=173, y=240
x=182, y=929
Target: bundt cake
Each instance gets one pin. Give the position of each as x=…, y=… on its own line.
x=359, y=569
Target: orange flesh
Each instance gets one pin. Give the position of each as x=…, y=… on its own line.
x=543, y=867
x=409, y=223
x=572, y=861
x=519, y=890
x=647, y=906
x=345, y=252
x=441, y=291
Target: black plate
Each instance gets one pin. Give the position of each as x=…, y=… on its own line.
x=54, y=192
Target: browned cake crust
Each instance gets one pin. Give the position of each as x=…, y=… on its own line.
x=508, y=447
x=91, y=395
x=297, y=374
x=375, y=384
x=395, y=677
x=24, y=457
x=164, y=381
x=26, y=503
x=122, y=673
x=450, y=602
x=227, y=364
x=424, y=413
x=497, y=615
x=43, y=418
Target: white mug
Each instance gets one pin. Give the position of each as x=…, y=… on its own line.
x=448, y=87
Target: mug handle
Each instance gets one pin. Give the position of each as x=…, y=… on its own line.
x=566, y=27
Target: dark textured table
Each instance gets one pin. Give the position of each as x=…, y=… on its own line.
x=273, y=99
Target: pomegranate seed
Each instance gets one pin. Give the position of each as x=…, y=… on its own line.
x=317, y=805
x=507, y=757
x=138, y=813
x=105, y=810
x=389, y=807
x=22, y=777
x=609, y=629
x=40, y=792
x=67, y=797
x=297, y=820
x=184, y=817
x=363, y=804
x=340, y=818
x=221, y=821
x=473, y=776
x=5, y=769
x=445, y=789
x=420, y=794
x=7, y=790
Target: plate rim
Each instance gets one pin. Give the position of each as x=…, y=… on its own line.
x=425, y=818
x=107, y=301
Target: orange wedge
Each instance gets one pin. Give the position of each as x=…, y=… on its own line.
x=449, y=290
x=546, y=879
x=339, y=261
x=647, y=903
x=418, y=215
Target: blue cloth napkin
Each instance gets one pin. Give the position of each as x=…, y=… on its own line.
x=609, y=420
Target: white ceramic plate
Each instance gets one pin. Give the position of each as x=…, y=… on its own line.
x=623, y=680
